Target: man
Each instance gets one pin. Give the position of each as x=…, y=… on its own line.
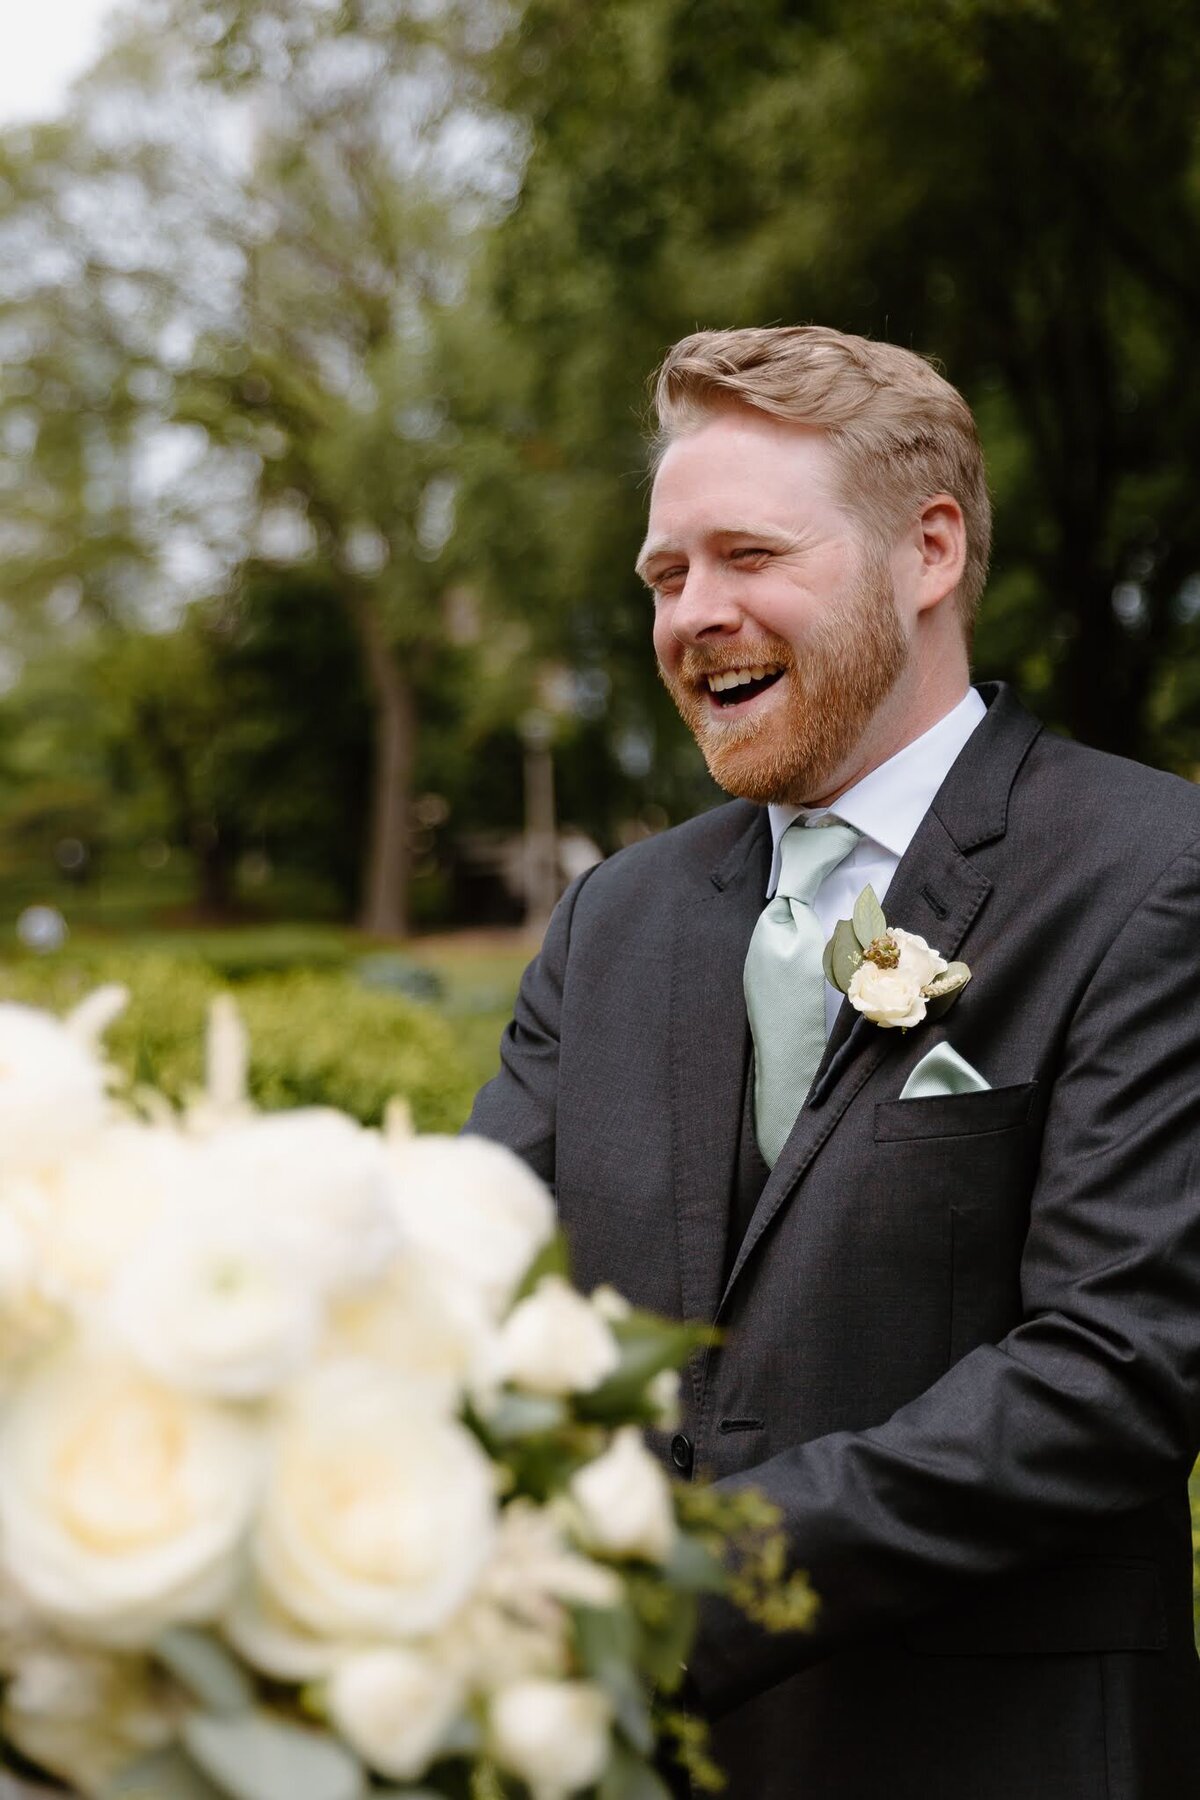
x=956, y=1266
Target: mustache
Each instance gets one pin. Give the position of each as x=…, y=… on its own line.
x=696, y=663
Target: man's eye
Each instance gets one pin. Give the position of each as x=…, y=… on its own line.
x=668, y=581
x=758, y=556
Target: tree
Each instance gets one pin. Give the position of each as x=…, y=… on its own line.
x=324, y=167
x=1010, y=184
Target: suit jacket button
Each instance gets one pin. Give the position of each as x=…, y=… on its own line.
x=681, y=1453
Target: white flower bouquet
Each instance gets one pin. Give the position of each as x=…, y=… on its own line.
x=317, y=1478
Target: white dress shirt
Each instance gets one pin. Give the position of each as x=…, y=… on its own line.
x=886, y=806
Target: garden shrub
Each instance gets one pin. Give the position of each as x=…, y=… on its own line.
x=317, y=1038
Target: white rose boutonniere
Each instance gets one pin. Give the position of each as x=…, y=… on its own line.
x=892, y=977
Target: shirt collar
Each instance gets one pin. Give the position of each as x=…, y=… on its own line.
x=889, y=803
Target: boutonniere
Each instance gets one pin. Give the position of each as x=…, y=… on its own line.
x=892, y=977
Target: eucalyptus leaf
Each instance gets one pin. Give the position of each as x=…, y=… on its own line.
x=940, y=998
x=162, y=1775
x=629, y=1777
x=693, y=1567
x=952, y=980
x=208, y=1670
x=552, y=1259
x=606, y=1643
x=604, y=1635
x=518, y=1415
x=827, y=963
x=665, y=1647
x=647, y=1346
x=845, y=954
x=258, y=1756
x=869, y=922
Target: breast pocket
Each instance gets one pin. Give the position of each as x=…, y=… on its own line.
x=971, y=1161
x=954, y=1115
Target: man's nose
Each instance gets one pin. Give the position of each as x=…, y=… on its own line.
x=705, y=607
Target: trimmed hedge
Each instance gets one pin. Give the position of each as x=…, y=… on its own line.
x=316, y=1037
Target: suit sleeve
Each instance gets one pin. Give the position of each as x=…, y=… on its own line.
x=518, y=1107
x=1091, y=1406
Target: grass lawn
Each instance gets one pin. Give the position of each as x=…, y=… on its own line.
x=480, y=972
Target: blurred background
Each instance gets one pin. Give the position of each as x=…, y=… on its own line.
x=324, y=335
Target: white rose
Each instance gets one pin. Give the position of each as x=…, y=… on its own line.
x=28, y=1318
x=474, y=1207
x=664, y=1394
x=318, y=1176
x=87, y=1213
x=533, y=1563
x=84, y=1715
x=554, y=1735
x=379, y=1514
x=516, y=1622
x=123, y=1505
x=433, y=1331
x=555, y=1342
x=624, y=1499
x=887, y=997
x=916, y=957
x=271, y=1641
x=395, y=1707
x=53, y=1087
x=213, y=1303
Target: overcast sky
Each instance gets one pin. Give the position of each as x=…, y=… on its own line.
x=45, y=44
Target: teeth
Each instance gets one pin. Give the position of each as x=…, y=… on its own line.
x=731, y=678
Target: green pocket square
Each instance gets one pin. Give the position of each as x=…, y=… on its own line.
x=943, y=1071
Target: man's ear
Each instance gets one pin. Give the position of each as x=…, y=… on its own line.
x=940, y=535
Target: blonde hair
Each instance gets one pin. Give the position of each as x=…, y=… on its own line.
x=899, y=431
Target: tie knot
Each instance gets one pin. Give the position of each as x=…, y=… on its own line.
x=808, y=853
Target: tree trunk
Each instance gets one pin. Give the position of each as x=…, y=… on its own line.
x=384, y=907
x=216, y=861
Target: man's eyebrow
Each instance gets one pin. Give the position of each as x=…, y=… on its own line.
x=772, y=536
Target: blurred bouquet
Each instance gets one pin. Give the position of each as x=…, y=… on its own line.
x=317, y=1478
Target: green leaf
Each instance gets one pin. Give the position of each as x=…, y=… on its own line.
x=552, y=1259
x=518, y=1415
x=952, y=980
x=693, y=1568
x=666, y=1644
x=256, y=1756
x=606, y=1643
x=629, y=1777
x=869, y=922
x=845, y=954
x=648, y=1345
x=945, y=988
x=163, y=1775
x=208, y=1670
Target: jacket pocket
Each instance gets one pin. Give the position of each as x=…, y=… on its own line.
x=1097, y=1605
x=954, y=1115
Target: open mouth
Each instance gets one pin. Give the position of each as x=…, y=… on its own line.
x=732, y=686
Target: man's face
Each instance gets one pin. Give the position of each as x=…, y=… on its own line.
x=775, y=623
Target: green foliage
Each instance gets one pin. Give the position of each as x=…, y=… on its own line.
x=255, y=1756
x=316, y=1038
x=966, y=179
x=760, y=1582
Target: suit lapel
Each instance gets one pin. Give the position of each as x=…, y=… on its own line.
x=709, y=1047
x=936, y=892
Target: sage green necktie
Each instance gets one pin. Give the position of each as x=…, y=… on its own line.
x=785, y=983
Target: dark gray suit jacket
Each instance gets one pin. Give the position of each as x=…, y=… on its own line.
x=962, y=1334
